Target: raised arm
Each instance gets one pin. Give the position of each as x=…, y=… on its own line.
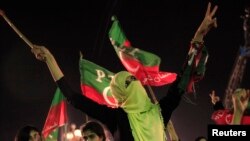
x=214, y=98
x=43, y=54
x=179, y=87
x=240, y=99
x=208, y=22
x=76, y=99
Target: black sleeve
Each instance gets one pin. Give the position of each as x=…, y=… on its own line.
x=100, y=112
x=169, y=103
x=218, y=106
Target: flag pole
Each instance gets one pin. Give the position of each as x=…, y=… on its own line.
x=15, y=29
x=65, y=131
x=170, y=126
x=152, y=94
x=86, y=116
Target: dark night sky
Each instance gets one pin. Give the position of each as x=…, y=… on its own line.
x=161, y=27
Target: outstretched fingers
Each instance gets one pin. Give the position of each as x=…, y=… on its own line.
x=210, y=15
x=212, y=94
x=208, y=9
x=214, y=11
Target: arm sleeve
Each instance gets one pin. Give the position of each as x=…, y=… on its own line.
x=191, y=72
x=169, y=103
x=218, y=106
x=88, y=106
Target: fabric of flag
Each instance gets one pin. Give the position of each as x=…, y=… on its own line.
x=144, y=65
x=57, y=115
x=224, y=117
x=194, y=68
x=95, y=81
x=53, y=136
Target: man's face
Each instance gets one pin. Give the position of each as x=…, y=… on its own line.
x=35, y=136
x=91, y=136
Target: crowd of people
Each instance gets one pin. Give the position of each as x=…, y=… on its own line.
x=90, y=131
x=136, y=118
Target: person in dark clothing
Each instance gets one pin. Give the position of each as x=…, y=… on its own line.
x=136, y=118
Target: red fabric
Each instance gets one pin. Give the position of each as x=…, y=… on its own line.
x=127, y=43
x=194, y=77
x=94, y=95
x=56, y=118
x=224, y=117
x=148, y=75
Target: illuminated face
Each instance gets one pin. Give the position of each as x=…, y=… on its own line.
x=91, y=136
x=35, y=136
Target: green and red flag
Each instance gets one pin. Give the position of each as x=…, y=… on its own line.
x=194, y=67
x=53, y=136
x=144, y=65
x=56, y=117
x=95, y=81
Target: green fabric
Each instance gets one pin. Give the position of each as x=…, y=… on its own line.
x=201, y=68
x=94, y=75
x=58, y=98
x=57, y=115
x=53, y=136
x=144, y=117
x=119, y=39
x=191, y=71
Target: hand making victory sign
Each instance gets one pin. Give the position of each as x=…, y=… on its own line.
x=208, y=22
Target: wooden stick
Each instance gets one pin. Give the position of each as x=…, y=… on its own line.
x=15, y=29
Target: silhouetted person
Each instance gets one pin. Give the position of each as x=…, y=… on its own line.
x=28, y=133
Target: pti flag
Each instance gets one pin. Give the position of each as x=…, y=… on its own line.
x=95, y=81
x=57, y=115
x=144, y=65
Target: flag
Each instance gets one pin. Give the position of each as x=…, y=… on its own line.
x=95, y=81
x=194, y=68
x=56, y=117
x=142, y=64
x=53, y=136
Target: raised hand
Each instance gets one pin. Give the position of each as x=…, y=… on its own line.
x=208, y=22
x=213, y=97
x=41, y=53
x=240, y=100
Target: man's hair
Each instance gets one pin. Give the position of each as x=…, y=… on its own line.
x=95, y=127
x=200, y=137
x=23, y=133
